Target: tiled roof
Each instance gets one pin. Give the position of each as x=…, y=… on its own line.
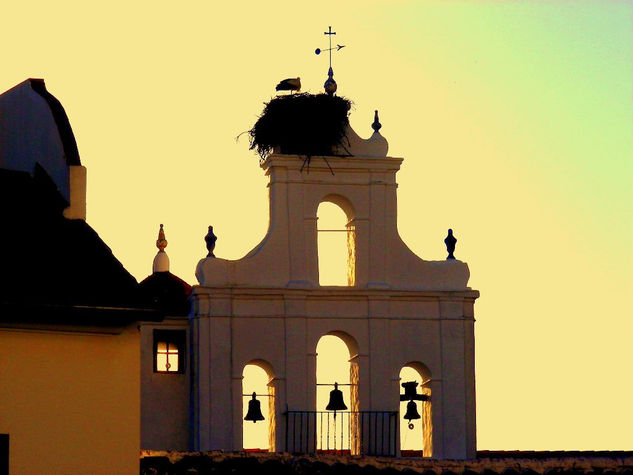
x=50, y=262
x=168, y=292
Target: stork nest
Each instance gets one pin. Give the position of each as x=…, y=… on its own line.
x=301, y=124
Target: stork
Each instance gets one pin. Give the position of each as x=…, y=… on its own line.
x=290, y=84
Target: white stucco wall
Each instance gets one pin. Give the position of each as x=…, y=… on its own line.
x=70, y=400
x=165, y=417
x=269, y=306
x=366, y=190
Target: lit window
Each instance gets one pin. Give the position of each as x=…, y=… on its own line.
x=169, y=348
x=166, y=357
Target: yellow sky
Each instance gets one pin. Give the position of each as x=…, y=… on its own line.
x=514, y=120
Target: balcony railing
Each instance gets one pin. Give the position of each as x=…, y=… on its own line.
x=345, y=432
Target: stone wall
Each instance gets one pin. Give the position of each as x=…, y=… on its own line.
x=488, y=463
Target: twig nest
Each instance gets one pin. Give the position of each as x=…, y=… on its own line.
x=301, y=124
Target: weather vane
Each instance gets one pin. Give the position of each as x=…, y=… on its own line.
x=330, y=83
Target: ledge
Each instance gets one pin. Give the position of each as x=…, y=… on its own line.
x=341, y=292
x=72, y=317
x=343, y=164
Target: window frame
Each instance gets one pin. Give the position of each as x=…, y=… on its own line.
x=170, y=337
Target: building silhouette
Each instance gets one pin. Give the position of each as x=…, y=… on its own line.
x=267, y=310
x=69, y=311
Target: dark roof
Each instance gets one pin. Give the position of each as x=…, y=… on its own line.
x=168, y=292
x=35, y=131
x=53, y=263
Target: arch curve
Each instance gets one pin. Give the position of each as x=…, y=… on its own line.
x=263, y=364
x=421, y=368
x=349, y=340
x=342, y=202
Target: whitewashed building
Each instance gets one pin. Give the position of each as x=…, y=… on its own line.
x=269, y=310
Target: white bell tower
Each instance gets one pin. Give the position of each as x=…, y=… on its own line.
x=398, y=310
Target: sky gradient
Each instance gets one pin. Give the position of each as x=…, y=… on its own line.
x=515, y=120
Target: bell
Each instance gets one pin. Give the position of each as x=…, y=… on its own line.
x=412, y=411
x=254, y=412
x=336, y=400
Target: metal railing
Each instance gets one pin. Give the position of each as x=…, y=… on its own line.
x=355, y=433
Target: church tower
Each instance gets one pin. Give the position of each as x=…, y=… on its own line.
x=397, y=311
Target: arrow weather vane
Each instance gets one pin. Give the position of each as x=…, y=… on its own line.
x=330, y=85
x=338, y=47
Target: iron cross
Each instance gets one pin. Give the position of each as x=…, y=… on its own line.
x=330, y=33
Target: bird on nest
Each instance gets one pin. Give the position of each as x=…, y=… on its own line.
x=290, y=84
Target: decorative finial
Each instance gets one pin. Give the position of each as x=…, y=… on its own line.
x=161, y=260
x=330, y=84
x=450, y=242
x=376, y=125
x=161, y=242
x=210, y=239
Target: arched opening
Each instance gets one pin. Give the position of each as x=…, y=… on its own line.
x=337, y=362
x=258, y=436
x=416, y=435
x=336, y=243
